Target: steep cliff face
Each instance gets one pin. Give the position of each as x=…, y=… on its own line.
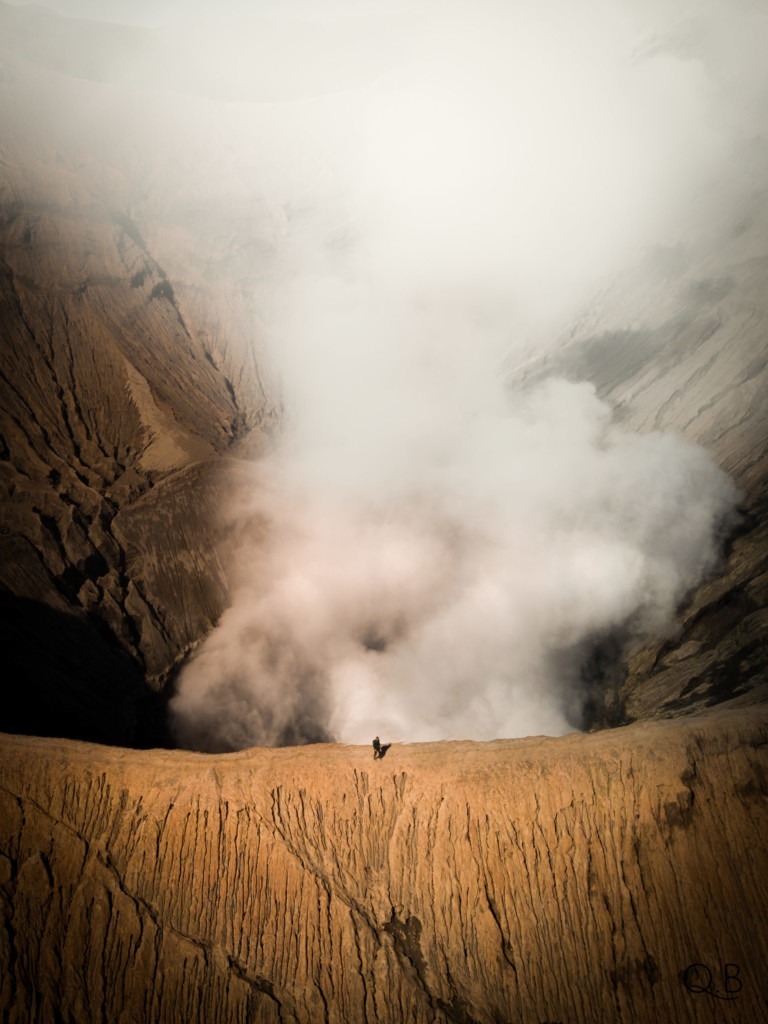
x=114, y=412
x=680, y=344
x=576, y=879
x=124, y=383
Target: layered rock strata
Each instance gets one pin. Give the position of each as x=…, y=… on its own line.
x=128, y=385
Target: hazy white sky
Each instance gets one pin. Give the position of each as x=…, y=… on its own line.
x=160, y=12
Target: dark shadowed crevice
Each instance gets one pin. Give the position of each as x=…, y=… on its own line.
x=68, y=676
x=602, y=676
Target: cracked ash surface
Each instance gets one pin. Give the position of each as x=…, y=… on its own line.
x=568, y=879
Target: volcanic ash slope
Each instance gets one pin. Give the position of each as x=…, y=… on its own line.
x=572, y=879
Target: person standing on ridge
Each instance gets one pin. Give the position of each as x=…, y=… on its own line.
x=379, y=749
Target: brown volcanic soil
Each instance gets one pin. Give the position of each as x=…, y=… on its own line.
x=570, y=879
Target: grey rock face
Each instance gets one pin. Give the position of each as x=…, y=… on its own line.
x=681, y=344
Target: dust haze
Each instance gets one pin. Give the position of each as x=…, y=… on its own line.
x=431, y=544
x=442, y=545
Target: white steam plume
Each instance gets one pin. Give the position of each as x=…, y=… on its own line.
x=428, y=547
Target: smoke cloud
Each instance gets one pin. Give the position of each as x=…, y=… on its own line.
x=432, y=548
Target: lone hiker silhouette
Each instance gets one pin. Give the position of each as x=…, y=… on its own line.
x=379, y=749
